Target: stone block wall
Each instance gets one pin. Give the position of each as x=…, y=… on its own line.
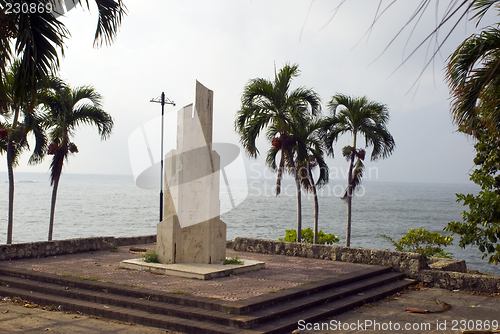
x=56, y=247
x=447, y=264
x=442, y=273
x=139, y=240
x=68, y=246
x=462, y=281
x=408, y=263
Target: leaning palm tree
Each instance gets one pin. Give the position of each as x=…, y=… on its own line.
x=20, y=119
x=315, y=158
x=271, y=105
x=359, y=117
x=67, y=109
x=473, y=75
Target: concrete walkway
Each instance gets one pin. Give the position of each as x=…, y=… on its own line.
x=471, y=311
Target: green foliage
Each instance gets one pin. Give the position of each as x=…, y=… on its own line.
x=422, y=242
x=83, y=278
x=180, y=292
x=308, y=237
x=481, y=226
x=150, y=257
x=234, y=260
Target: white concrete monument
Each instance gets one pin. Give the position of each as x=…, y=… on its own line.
x=191, y=231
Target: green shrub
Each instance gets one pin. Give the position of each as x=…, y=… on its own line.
x=307, y=236
x=234, y=260
x=150, y=257
x=422, y=242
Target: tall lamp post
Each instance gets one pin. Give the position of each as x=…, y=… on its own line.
x=162, y=100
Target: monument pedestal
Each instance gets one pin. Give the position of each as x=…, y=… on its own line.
x=200, y=243
x=193, y=270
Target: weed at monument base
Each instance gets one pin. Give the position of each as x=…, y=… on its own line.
x=150, y=257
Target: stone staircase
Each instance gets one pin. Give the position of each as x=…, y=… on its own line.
x=277, y=312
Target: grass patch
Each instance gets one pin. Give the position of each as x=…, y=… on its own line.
x=308, y=282
x=179, y=292
x=234, y=260
x=115, y=248
x=81, y=277
x=150, y=257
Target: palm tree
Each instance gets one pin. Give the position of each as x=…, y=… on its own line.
x=272, y=106
x=359, y=117
x=315, y=157
x=473, y=75
x=67, y=110
x=20, y=111
x=36, y=38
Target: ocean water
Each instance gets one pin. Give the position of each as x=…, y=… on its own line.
x=112, y=205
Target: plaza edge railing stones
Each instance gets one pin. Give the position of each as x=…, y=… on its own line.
x=68, y=246
x=408, y=263
x=442, y=273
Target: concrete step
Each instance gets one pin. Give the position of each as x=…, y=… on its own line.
x=123, y=290
x=119, y=313
x=282, y=296
x=141, y=303
x=286, y=324
x=324, y=297
x=275, y=312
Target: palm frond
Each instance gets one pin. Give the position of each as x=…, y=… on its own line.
x=37, y=40
x=33, y=124
x=82, y=93
x=111, y=13
x=90, y=115
x=271, y=158
x=357, y=175
x=471, y=74
x=56, y=165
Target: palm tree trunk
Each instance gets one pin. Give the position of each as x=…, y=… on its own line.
x=10, y=162
x=349, y=194
x=56, y=166
x=280, y=174
x=316, y=205
x=299, y=195
x=53, y=205
x=349, y=202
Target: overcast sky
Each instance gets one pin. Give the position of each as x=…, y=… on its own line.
x=167, y=45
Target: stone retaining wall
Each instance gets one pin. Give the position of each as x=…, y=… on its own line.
x=408, y=263
x=68, y=246
x=56, y=247
x=140, y=240
x=447, y=264
x=443, y=273
x=462, y=281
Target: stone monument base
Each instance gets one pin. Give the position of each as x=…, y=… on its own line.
x=200, y=243
x=193, y=270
